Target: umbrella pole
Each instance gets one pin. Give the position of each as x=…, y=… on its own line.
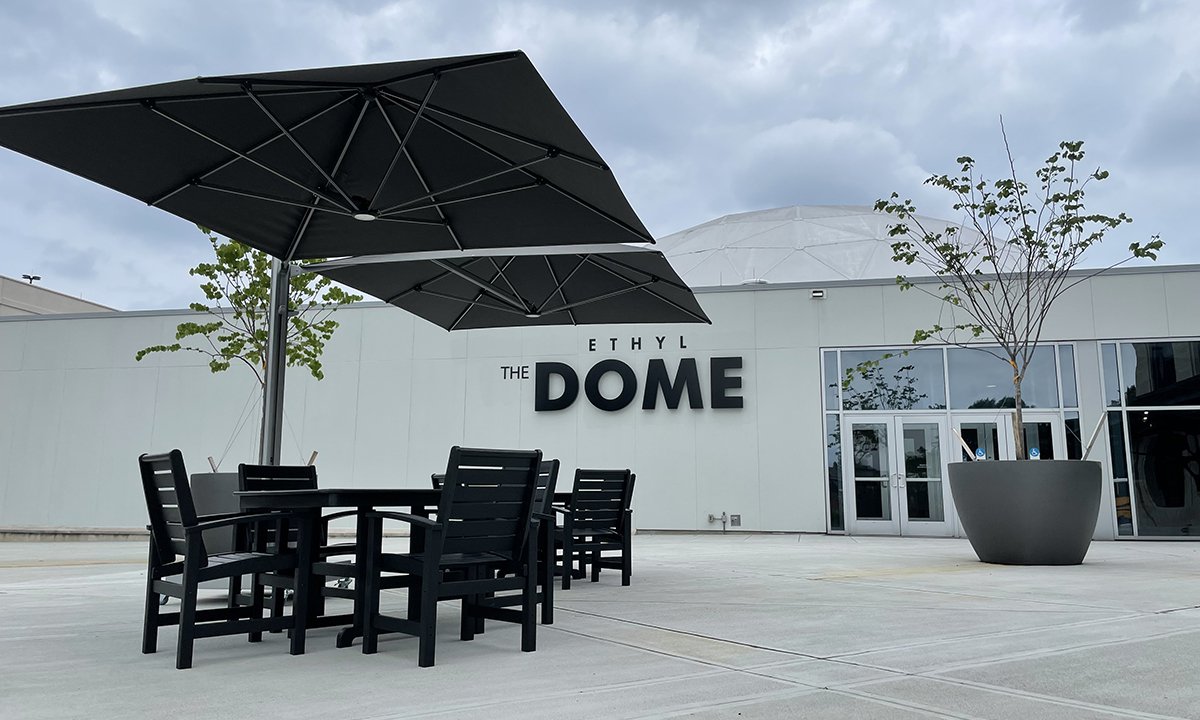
x=272, y=419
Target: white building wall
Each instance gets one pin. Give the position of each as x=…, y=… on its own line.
x=76, y=409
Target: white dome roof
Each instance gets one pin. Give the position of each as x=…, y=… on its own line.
x=803, y=243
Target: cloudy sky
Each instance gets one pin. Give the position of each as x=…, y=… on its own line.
x=702, y=108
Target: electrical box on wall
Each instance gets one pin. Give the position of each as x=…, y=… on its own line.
x=735, y=521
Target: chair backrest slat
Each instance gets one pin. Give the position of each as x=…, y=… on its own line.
x=487, y=500
x=600, y=498
x=168, y=503
x=543, y=497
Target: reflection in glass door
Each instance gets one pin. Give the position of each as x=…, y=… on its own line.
x=989, y=437
x=899, y=476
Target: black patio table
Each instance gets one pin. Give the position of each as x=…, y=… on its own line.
x=419, y=501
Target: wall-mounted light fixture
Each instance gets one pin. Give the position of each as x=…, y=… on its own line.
x=31, y=278
x=818, y=294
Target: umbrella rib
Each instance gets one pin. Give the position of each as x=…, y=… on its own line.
x=430, y=281
x=437, y=204
x=558, y=287
x=266, y=198
x=484, y=285
x=500, y=273
x=242, y=156
x=403, y=207
x=403, y=142
x=594, y=259
x=406, y=101
x=645, y=237
x=412, y=163
x=302, y=228
x=598, y=298
x=653, y=279
x=21, y=111
x=292, y=138
x=261, y=145
x=284, y=82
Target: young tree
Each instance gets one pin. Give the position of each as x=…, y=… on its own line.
x=238, y=285
x=1013, y=256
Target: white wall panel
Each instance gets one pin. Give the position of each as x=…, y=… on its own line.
x=12, y=345
x=77, y=410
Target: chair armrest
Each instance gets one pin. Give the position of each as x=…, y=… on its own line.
x=244, y=520
x=543, y=516
x=560, y=510
x=338, y=515
x=219, y=516
x=404, y=517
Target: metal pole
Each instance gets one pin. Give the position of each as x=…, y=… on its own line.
x=272, y=418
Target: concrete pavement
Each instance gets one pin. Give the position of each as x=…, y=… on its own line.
x=735, y=626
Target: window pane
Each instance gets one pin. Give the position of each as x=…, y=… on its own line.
x=1066, y=367
x=981, y=380
x=831, y=380
x=1116, y=445
x=983, y=434
x=1124, y=510
x=1074, y=435
x=1165, y=451
x=833, y=464
x=902, y=382
x=1112, y=386
x=1165, y=373
x=1039, y=440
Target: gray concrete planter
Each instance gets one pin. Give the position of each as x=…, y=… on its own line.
x=1028, y=512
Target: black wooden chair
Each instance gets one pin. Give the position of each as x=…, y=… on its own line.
x=482, y=542
x=301, y=477
x=543, y=503
x=177, y=549
x=599, y=520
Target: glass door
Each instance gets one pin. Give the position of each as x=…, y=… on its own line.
x=898, y=470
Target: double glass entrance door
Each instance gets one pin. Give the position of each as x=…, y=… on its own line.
x=898, y=469
x=898, y=464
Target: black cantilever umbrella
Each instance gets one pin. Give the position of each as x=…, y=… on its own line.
x=450, y=158
x=460, y=153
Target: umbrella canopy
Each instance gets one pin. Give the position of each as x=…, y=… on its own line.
x=580, y=285
x=470, y=152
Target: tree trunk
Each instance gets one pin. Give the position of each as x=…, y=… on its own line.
x=1018, y=422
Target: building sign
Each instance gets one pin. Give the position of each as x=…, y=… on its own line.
x=557, y=384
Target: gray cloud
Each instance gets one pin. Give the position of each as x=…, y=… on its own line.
x=702, y=108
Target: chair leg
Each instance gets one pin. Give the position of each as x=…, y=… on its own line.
x=568, y=562
x=428, y=635
x=150, y=616
x=529, y=608
x=278, y=596
x=301, y=580
x=626, y=555
x=596, y=566
x=546, y=565
x=187, y=620
x=466, y=631
x=257, y=603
